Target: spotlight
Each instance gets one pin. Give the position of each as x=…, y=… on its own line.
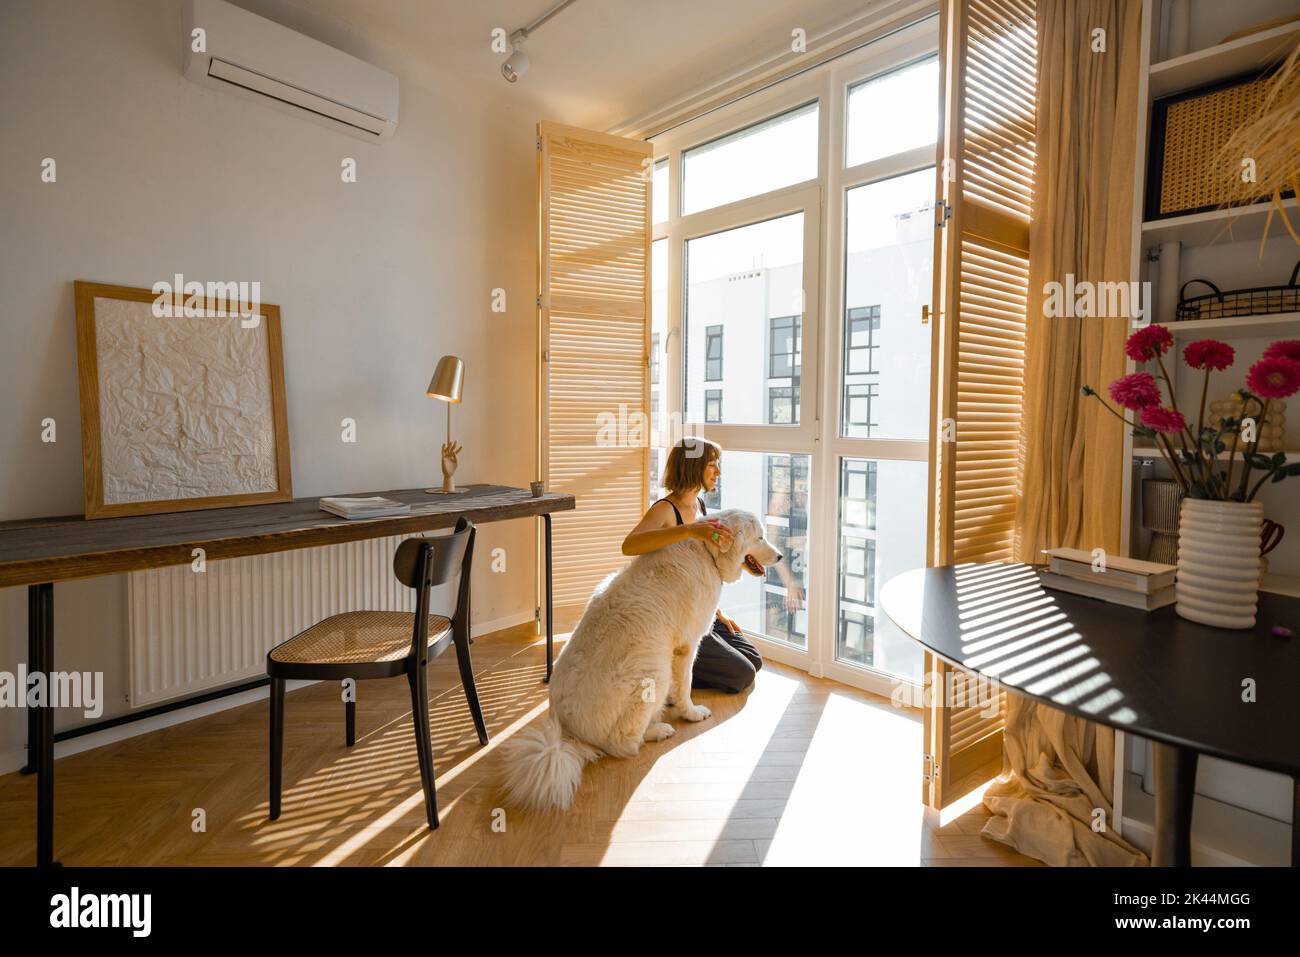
x=516, y=65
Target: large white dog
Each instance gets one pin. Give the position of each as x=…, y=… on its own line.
x=626, y=670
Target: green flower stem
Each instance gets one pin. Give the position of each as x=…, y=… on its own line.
x=1173, y=404
x=1254, y=446
x=1267, y=475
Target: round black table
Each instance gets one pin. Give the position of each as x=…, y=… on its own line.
x=1185, y=686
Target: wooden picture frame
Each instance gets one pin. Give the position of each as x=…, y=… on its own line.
x=101, y=446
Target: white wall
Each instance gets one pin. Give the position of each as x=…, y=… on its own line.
x=374, y=280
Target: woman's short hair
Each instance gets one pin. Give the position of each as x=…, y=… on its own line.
x=687, y=461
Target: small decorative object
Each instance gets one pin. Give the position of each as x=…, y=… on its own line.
x=1281, y=631
x=1256, y=301
x=1272, y=430
x=1221, y=524
x=447, y=383
x=537, y=488
x=1161, y=500
x=1188, y=129
x=182, y=401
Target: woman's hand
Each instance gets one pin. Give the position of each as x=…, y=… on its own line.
x=712, y=531
x=732, y=625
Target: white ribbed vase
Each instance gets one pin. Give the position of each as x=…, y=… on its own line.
x=1218, y=562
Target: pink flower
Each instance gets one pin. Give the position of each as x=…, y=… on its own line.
x=1209, y=354
x=1163, y=420
x=1274, y=378
x=1135, y=391
x=1284, y=349
x=1149, y=342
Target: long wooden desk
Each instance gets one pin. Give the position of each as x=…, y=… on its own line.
x=41, y=551
x=1153, y=674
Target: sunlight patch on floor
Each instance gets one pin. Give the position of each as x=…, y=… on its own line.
x=856, y=799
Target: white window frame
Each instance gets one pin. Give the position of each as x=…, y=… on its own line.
x=822, y=200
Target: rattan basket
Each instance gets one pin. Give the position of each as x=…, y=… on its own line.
x=1188, y=130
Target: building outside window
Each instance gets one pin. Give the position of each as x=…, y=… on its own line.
x=861, y=371
x=787, y=528
x=712, y=405
x=713, y=354
x=861, y=339
x=860, y=405
x=782, y=404
x=857, y=578
x=783, y=348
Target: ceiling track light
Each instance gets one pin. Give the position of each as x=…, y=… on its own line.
x=516, y=65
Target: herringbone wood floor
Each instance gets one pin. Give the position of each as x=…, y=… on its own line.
x=796, y=771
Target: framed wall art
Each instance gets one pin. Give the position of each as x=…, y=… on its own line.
x=182, y=402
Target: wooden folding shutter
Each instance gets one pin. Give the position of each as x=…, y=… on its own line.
x=984, y=185
x=594, y=285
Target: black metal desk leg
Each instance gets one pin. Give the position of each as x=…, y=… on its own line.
x=1175, y=774
x=550, y=603
x=33, y=664
x=40, y=634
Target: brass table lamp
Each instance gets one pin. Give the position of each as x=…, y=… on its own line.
x=447, y=382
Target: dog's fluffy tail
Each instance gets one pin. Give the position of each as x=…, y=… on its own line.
x=543, y=767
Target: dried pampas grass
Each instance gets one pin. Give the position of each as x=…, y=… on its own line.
x=1272, y=139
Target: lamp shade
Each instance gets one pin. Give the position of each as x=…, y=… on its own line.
x=447, y=379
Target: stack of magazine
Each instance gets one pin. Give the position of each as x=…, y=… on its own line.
x=374, y=507
x=1124, y=581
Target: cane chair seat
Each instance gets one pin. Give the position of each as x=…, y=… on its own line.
x=355, y=637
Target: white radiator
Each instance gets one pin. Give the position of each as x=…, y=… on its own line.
x=192, y=631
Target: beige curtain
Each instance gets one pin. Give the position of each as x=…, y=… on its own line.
x=1057, y=778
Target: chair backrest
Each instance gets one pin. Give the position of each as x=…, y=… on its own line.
x=422, y=563
x=438, y=558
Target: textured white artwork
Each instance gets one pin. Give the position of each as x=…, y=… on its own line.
x=184, y=405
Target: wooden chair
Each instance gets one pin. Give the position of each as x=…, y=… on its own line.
x=385, y=644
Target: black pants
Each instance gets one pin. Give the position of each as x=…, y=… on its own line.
x=725, y=660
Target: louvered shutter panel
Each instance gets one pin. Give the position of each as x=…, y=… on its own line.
x=985, y=182
x=594, y=280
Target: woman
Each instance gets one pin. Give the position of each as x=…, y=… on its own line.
x=726, y=659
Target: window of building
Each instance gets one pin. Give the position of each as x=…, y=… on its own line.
x=861, y=342
x=713, y=354
x=783, y=348
x=712, y=405
x=783, y=405
x=860, y=409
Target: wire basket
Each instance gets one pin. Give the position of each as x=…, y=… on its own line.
x=1260, y=301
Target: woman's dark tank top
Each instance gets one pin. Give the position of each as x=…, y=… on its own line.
x=677, y=511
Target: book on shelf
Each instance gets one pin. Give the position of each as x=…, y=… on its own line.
x=1131, y=574
x=1117, y=596
x=375, y=506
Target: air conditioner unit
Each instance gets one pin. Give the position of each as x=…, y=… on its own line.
x=258, y=59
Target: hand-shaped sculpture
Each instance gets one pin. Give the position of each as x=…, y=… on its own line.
x=449, y=452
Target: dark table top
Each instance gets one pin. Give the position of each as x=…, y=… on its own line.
x=59, y=549
x=1150, y=673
